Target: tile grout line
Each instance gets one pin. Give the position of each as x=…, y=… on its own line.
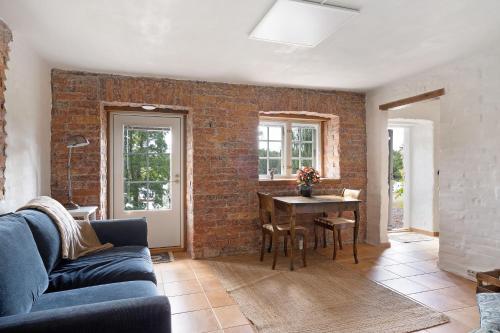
x=206, y=297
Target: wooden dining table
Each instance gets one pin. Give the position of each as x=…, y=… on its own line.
x=296, y=205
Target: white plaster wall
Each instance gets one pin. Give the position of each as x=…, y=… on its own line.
x=422, y=177
x=28, y=104
x=469, y=205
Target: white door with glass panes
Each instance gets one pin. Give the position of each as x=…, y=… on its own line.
x=146, y=175
x=285, y=146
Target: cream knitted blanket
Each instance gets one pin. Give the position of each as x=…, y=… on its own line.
x=78, y=238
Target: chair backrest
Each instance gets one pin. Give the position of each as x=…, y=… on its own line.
x=351, y=194
x=266, y=208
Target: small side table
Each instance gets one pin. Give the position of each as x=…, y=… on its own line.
x=85, y=213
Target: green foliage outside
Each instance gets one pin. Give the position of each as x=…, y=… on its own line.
x=398, y=171
x=146, y=169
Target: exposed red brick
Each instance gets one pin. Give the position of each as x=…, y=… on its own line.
x=222, y=120
x=5, y=39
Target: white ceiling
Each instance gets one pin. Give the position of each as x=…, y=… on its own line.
x=207, y=39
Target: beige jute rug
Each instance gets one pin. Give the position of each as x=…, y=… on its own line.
x=323, y=297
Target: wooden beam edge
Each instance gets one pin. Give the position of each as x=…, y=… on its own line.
x=414, y=99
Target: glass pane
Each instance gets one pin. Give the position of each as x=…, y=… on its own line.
x=262, y=148
x=135, y=195
x=262, y=167
x=306, y=163
x=135, y=167
x=158, y=141
x=295, y=166
x=306, y=150
x=159, y=195
x=275, y=133
x=135, y=140
x=146, y=168
x=274, y=149
x=307, y=134
x=295, y=150
x=295, y=133
x=276, y=164
x=159, y=167
x=262, y=132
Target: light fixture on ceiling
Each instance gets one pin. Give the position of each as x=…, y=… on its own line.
x=301, y=22
x=149, y=107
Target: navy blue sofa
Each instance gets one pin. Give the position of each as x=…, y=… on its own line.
x=109, y=291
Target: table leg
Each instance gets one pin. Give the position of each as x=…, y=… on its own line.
x=356, y=231
x=292, y=235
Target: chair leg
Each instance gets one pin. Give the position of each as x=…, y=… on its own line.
x=334, y=245
x=275, y=255
x=263, y=247
x=269, y=248
x=315, y=236
x=355, y=245
x=324, y=237
x=285, y=245
x=339, y=234
x=304, y=246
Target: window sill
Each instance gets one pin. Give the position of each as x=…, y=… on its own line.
x=293, y=181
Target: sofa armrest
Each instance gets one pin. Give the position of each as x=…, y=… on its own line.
x=134, y=315
x=122, y=232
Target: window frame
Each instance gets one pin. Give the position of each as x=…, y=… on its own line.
x=287, y=141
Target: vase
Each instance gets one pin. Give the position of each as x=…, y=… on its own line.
x=305, y=190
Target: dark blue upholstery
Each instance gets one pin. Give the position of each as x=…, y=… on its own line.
x=95, y=294
x=122, y=232
x=108, y=305
x=46, y=237
x=125, y=263
x=133, y=315
x=23, y=277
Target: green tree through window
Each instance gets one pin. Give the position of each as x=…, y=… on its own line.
x=146, y=168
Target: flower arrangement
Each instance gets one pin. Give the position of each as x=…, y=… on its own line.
x=307, y=176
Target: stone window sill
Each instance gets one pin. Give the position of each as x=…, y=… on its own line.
x=293, y=181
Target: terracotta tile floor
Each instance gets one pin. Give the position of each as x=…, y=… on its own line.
x=200, y=304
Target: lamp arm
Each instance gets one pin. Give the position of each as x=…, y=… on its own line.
x=70, y=187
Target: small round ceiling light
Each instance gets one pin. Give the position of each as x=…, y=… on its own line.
x=149, y=107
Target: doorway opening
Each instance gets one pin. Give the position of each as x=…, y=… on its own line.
x=398, y=187
x=414, y=169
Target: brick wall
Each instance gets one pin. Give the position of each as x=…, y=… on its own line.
x=5, y=39
x=221, y=137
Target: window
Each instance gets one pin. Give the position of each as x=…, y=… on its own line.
x=146, y=168
x=287, y=145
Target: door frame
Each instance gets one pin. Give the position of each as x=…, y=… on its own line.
x=109, y=166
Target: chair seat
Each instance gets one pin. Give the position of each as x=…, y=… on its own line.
x=335, y=221
x=283, y=227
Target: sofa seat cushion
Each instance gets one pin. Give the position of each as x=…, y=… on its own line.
x=489, y=308
x=23, y=277
x=95, y=294
x=46, y=235
x=119, y=264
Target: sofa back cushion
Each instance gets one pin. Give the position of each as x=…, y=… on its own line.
x=23, y=277
x=46, y=235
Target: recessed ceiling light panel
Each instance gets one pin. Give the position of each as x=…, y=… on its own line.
x=302, y=23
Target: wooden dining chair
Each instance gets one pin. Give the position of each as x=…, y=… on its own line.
x=337, y=224
x=269, y=226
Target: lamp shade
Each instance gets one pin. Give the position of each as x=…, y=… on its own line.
x=77, y=141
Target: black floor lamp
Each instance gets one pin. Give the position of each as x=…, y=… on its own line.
x=74, y=141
